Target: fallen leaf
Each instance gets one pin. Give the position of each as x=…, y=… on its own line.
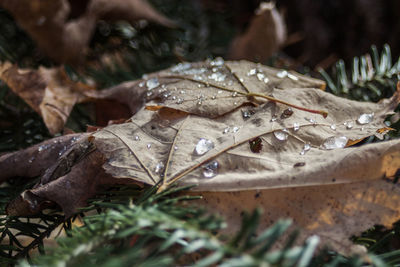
x=47, y=91
x=264, y=36
x=304, y=166
x=66, y=40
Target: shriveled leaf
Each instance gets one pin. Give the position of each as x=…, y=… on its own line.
x=48, y=91
x=264, y=36
x=66, y=40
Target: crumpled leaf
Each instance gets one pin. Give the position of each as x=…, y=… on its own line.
x=47, y=91
x=295, y=173
x=264, y=36
x=63, y=29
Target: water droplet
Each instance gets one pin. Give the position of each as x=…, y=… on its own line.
x=235, y=129
x=273, y=118
x=220, y=92
x=141, y=84
x=293, y=77
x=182, y=92
x=306, y=148
x=260, y=76
x=214, y=69
x=181, y=67
x=287, y=113
x=241, y=80
x=266, y=80
x=365, y=118
x=348, y=124
x=199, y=85
x=179, y=101
x=252, y=72
x=149, y=93
x=210, y=169
x=281, y=135
x=333, y=127
x=167, y=94
x=173, y=97
x=246, y=114
x=31, y=159
x=159, y=167
x=203, y=146
x=296, y=126
x=152, y=83
x=175, y=148
x=199, y=102
x=217, y=62
x=148, y=146
x=310, y=120
x=218, y=77
x=282, y=74
x=137, y=138
x=234, y=94
x=334, y=142
x=235, y=103
x=213, y=97
x=226, y=130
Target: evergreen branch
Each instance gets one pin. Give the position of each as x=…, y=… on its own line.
x=372, y=76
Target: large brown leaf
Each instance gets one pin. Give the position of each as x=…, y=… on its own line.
x=305, y=169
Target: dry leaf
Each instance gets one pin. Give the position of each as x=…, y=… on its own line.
x=264, y=36
x=66, y=40
x=196, y=130
x=48, y=91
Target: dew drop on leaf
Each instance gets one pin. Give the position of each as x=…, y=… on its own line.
x=282, y=74
x=149, y=93
x=235, y=129
x=148, y=146
x=287, y=113
x=365, y=118
x=181, y=67
x=306, y=148
x=246, y=114
x=137, y=138
x=217, y=62
x=252, y=72
x=159, y=167
x=179, y=101
x=234, y=94
x=310, y=120
x=281, y=135
x=203, y=146
x=152, y=83
x=334, y=142
x=333, y=127
x=226, y=130
x=348, y=124
x=210, y=169
x=260, y=76
x=296, y=126
x=293, y=77
x=274, y=118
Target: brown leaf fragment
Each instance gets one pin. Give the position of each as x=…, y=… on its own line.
x=66, y=40
x=48, y=91
x=264, y=36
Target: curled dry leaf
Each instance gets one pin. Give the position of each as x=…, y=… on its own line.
x=48, y=91
x=66, y=40
x=196, y=130
x=264, y=36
